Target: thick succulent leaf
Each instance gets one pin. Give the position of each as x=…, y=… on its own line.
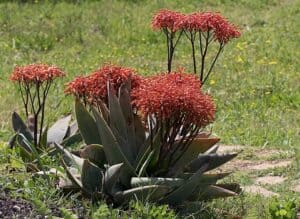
x=71, y=175
x=149, y=193
x=186, y=189
x=213, y=191
x=113, y=152
x=208, y=177
x=145, y=181
x=73, y=129
x=20, y=127
x=12, y=140
x=144, y=151
x=68, y=157
x=73, y=139
x=26, y=144
x=44, y=138
x=234, y=187
x=104, y=111
x=118, y=124
x=141, y=171
x=214, y=161
x=212, y=150
x=58, y=131
x=198, y=146
x=94, y=153
x=86, y=124
x=26, y=155
x=110, y=144
x=156, y=148
x=205, y=181
x=126, y=107
x=139, y=130
x=67, y=185
x=111, y=177
x=124, y=145
x=91, y=177
x=116, y=115
x=145, y=138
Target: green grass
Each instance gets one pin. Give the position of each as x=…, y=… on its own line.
x=256, y=82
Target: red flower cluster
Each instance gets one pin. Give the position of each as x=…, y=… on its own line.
x=35, y=73
x=166, y=19
x=222, y=29
x=174, y=95
x=78, y=87
x=94, y=87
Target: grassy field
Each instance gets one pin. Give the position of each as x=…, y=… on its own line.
x=256, y=82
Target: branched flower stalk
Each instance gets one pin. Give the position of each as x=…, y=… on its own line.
x=204, y=27
x=207, y=27
x=165, y=20
x=34, y=82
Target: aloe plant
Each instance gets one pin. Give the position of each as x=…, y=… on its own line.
x=63, y=131
x=120, y=161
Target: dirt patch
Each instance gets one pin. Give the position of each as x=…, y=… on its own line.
x=258, y=190
x=296, y=187
x=248, y=165
x=268, y=153
x=270, y=180
x=271, y=164
x=14, y=208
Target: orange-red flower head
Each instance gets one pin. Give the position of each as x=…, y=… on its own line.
x=35, y=73
x=222, y=29
x=166, y=19
x=78, y=87
x=94, y=86
x=174, y=95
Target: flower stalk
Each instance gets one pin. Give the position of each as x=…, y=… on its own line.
x=34, y=83
x=208, y=26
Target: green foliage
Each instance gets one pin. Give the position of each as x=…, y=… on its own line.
x=140, y=210
x=40, y=207
x=136, y=209
x=283, y=208
x=102, y=212
x=67, y=214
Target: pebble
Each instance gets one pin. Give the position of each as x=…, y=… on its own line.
x=16, y=208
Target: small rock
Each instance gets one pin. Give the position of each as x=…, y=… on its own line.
x=16, y=208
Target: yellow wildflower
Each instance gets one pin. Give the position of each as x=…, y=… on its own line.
x=239, y=59
x=261, y=61
x=239, y=46
x=272, y=63
x=212, y=82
